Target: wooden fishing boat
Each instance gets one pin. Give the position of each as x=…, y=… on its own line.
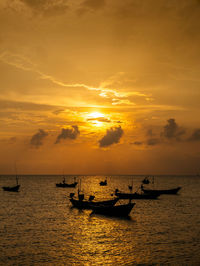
x=146, y=180
x=103, y=183
x=161, y=191
x=13, y=188
x=65, y=185
x=130, y=187
x=80, y=203
x=116, y=210
x=136, y=195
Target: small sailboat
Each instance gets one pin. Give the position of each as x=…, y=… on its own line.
x=13, y=188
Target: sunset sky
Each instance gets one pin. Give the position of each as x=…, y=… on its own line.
x=100, y=86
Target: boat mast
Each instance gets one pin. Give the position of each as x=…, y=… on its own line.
x=79, y=188
x=16, y=177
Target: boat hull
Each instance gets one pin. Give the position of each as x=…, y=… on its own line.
x=64, y=185
x=162, y=191
x=84, y=204
x=137, y=195
x=12, y=189
x=103, y=183
x=117, y=210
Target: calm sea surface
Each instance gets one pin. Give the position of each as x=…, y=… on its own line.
x=39, y=227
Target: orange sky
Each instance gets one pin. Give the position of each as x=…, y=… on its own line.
x=99, y=87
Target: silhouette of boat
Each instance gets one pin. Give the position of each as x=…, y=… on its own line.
x=161, y=191
x=13, y=188
x=116, y=210
x=80, y=203
x=103, y=183
x=136, y=195
x=64, y=185
x=145, y=180
x=130, y=187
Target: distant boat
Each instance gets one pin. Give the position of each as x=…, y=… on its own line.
x=116, y=210
x=146, y=180
x=13, y=188
x=161, y=191
x=130, y=187
x=103, y=183
x=136, y=195
x=80, y=203
x=64, y=185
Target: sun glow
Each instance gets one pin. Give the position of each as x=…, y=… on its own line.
x=95, y=115
x=96, y=118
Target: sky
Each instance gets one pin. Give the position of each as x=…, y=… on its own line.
x=100, y=87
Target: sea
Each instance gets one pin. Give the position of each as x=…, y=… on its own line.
x=38, y=225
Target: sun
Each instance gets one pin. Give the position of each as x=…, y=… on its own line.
x=96, y=119
x=95, y=115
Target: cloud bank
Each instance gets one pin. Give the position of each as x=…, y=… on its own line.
x=68, y=133
x=172, y=130
x=47, y=7
x=112, y=136
x=37, y=139
x=195, y=135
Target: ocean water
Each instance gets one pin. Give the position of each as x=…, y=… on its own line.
x=39, y=227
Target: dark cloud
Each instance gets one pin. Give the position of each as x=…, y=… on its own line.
x=37, y=139
x=11, y=140
x=100, y=119
x=182, y=9
x=137, y=143
x=112, y=136
x=149, y=142
x=97, y=4
x=91, y=5
x=150, y=133
x=153, y=141
x=47, y=7
x=68, y=133
x=24, y=106
x=195, y=135
x=172, y=130
x=36, y=3
x=58, y=111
